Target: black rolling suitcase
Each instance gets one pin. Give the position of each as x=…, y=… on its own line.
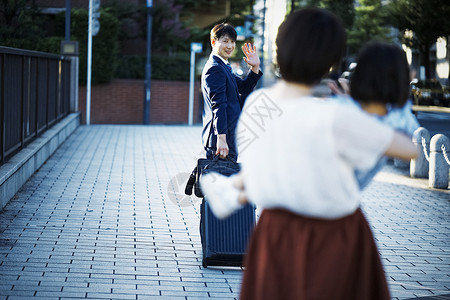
x=224, y=242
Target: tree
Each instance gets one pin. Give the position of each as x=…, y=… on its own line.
x=427, y=19
x=105, y=44
x=172, y=33
x=20, y=24
x=169, y=33
x=240, y=12
x=344, y=9
x=369, y=24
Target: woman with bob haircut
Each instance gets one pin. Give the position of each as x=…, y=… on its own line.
x=312, y=240
x=381, y=77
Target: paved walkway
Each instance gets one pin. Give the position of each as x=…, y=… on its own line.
x=105, y=218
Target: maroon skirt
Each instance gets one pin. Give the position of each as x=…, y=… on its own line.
x=294, y=257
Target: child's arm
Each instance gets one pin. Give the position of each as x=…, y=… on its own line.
x=401, y=147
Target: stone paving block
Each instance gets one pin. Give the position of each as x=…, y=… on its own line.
x=219, y=290
x=34, y=297
x=6, y=286
x=158, y=297
x=110, y=296
x=72, y=284
x=401, y=294
x=167, y=294
x=227, y=295
x=72, y=280
x=149, y=285
x=436, y=287
x=19, y=294
x=403, y=277
x=8, y=278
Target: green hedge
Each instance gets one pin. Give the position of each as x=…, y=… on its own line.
x=49, y=44
x=163, y=67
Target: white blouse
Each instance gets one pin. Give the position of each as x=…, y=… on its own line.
x=300, y=154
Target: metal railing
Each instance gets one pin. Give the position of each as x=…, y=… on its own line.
x=34, y=95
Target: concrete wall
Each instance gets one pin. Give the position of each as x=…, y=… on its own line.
x=17, y=170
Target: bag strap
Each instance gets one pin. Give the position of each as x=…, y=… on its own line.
x=191, y=181
x=210, y=129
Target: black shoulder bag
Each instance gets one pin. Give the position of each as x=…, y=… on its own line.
x=227, y=167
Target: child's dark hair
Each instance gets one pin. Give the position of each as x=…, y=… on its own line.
x=309, y=42
x=223, y=29
x=381, y=75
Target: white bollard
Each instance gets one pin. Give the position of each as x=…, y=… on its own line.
x=439, y=168
x=418, y=167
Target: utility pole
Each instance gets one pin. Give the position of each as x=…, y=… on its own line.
x=94, y=14
x=148, y=65
x=89, y=66
x=261, y=81
x=67, y=36
x=195, y=48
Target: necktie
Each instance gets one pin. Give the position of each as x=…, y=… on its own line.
x=229, y=68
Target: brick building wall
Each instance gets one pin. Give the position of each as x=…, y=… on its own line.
x=121, y=102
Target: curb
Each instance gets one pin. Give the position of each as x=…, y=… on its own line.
x=17, y=170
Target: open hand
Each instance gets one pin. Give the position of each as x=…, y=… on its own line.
x=251, y=56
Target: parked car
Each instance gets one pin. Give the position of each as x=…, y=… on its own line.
x=429, y=92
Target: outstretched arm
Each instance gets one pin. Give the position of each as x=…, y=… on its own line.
x=401, y=147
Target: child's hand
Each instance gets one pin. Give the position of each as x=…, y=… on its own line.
x=343, y=90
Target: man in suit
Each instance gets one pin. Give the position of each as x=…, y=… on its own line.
x=222, y=89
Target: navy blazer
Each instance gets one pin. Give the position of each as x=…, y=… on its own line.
x=222, y=102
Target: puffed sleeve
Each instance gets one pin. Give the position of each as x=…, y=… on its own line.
x=360, y=139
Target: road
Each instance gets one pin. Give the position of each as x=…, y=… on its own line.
x=435, y=122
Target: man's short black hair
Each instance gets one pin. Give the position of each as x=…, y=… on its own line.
x=381, y=75
x=223, y=29
x=309, y=42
